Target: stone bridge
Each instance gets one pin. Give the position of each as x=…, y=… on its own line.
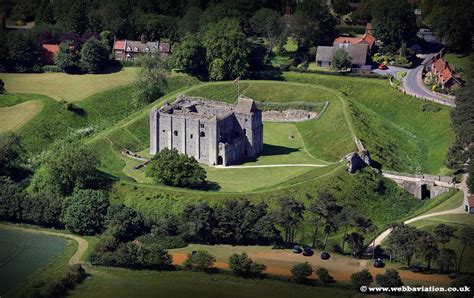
x=421, y=186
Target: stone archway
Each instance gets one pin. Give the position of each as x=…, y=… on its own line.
x=220, y=160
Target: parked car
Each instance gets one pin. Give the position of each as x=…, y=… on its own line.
x=307, y=251
x=416, y=268
x=297, y=249
x=382, y=66
x=379, y=263
x=325, y=256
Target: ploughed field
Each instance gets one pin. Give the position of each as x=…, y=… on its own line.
x=22, y=254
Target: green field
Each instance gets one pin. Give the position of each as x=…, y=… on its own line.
x=461, y=63
x=61, y=86
x=22, y=254
x=109, y=282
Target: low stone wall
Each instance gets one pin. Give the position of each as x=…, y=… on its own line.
x=288, y=116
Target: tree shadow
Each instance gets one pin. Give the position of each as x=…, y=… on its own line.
x=210, y=186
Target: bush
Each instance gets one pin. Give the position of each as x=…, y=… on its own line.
x=337, y=248
x=51, y=68
x=2, y=87
x=242, y=265
x=323, y=276
x=199, y=260
x=301, y=272
x=361, y=278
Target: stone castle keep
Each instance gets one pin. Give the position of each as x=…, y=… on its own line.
x=213, y=132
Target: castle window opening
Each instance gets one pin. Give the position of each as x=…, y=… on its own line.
x=245, y=131
x=176, y=133
x=191, y=136
x=202, y=134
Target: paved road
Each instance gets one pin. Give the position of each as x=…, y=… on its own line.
x=414, y=84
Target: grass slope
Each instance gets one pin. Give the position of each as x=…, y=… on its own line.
x=12, y=118
x=61, y=86
x=390, y=123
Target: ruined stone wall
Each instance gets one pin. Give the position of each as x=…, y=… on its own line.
x=288, y=116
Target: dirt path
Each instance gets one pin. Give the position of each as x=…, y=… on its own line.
x=341, y=268
x=82, y=243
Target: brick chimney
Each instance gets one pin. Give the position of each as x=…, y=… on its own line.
x=142, y=38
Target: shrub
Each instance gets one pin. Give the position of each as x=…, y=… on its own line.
x=51, y=68
x=242, y=265
x=164, y=241
x=337, y=248
x=301, y=272
x=323, y=276
x=390, y=278
x=361, y=278
x=199, y=260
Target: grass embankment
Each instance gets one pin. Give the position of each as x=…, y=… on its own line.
x=112, y=282
x=61, y=86
x=13, y=117
x=461, y=63
x=402, y=133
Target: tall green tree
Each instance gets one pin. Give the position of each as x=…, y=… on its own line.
x=124, y=222
x=341, y=60
x=444, y=233
x=446, y=260
x=341, y=7
x=68, y=164
x=172, y=168
x=13, y=157
x=427, y=247
x=312, y=24
x=289, y=214
x=151, y=79
x=402, y=242
x=268, y=23
x=23, y=52
x=190, y=55
x=355, y=242
x=86, y=211
x=197, y=222
x=94, y=56
x=453, y=23
x=466, y=238
x=393, y=23
x=73, y=17
x=67, y=58
x=226, y=41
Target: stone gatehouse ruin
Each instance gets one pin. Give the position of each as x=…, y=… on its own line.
x=213, y=132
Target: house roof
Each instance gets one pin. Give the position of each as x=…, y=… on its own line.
x=445, y=75
x=119, y=45
x=324, y=53
x=470, y=201
x=358, y=52
x=439, y=64
x=369, y=39
x=48, y=51
x=245, y=105
x=351, y=40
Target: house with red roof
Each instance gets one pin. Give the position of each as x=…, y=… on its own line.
x=47, y=53
x=132, y=49
x=359, y=48
x=443, y=73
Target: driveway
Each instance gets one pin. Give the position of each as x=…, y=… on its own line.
x=391, y=70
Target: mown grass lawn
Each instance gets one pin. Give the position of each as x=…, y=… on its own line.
x=110, y=282
x=62, y=86
x=461, y=63
x=14, y=117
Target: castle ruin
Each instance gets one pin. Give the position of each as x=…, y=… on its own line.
x=213, y=132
